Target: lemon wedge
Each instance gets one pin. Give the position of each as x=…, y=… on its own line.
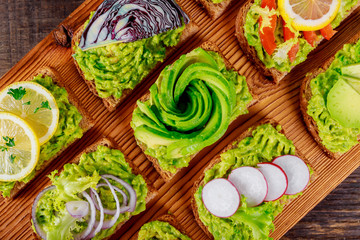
x=19, y=148
x=309, y=15
x=33, y=103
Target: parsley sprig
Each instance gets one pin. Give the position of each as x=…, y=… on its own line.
x=17, y=93
x=44, y=105
x=9, y=142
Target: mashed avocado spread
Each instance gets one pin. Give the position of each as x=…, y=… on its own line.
x=251, y=32
x=190, y=107
x=68, y=129
x=334, y=136
x=158, y=230
x=264, y=145
x=119, y=66
x=76, y=178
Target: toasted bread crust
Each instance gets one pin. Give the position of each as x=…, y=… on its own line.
x=112, y=144
x=166, y=175
x=215, y=10
x=305, y=96
x=86, y=122
x=217, y=159
x=112, y=103
x=169, y=219
x=250, y=51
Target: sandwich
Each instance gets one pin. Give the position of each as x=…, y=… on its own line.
x=123, y=41
x=189, y=107
x=249, y=183
x=92, y=197
x=215, y=8
x=278, y=35
x=165, y=227
x=329, y=99
x=54, y=123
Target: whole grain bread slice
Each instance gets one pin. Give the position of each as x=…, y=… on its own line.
x=166, y=175
x=169, y=219
x=112, y=103
x=305, y=96
x=250, y=51
x=112, y=144
x=215, y=10
x=217, y=159
x=86, y=122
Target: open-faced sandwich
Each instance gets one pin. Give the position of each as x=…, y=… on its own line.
x=123, y=41
x=215, y=8
x=165, y=227
x=39, y=119
x=190, y=107
x=92, y=197
x=330, y=98
x=279, y=34
x=246, y=186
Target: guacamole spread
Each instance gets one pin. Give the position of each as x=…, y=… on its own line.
x=264, y=145
x=119, y=66
x=51, y=213
x=158, y=230
x=333, y=135
x=191, y=106
x=251, y=32
x=67, y=131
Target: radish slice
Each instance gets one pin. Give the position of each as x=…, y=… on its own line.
x=251, y=183
x=297, y=173
x=220, y=198
x=276, y=180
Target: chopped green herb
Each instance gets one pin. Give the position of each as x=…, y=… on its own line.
x=17, y=93
x=26, y=103
x=3, y=149
x=12, y=158
x=9, y=141
x=44, y=105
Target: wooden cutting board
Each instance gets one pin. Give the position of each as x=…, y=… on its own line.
x=278, y=102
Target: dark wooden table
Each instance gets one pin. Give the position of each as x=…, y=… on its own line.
x=23, y=23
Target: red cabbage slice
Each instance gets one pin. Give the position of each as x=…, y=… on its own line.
x=131, y=20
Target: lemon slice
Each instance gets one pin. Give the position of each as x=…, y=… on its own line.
x=309, y=15
x=33, y=103
x=19, y=148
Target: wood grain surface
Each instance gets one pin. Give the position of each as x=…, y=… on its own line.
x=24, y=23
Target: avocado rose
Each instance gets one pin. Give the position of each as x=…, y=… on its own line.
x=190, y=107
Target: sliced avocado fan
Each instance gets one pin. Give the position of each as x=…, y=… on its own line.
x=190, y=106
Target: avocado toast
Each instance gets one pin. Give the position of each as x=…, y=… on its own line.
x=332, y=136
x=166, y=227
x=261, y=143
x=74, y=121
x=276, y=65
x=171, y=133
x=112, y=71
x=83, y=175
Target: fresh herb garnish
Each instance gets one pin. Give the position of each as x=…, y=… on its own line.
x=26, y=103
x=44, y=105
x=3, y=149
x=17, y=93
x=9, y=141
x=12, y=158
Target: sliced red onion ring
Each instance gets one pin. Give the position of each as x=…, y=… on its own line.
x=110, y=223
x=128, y=187
x=77, y=209
x=91, y=222
x=123, y=207
x=98, y=225
x=38, y=229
